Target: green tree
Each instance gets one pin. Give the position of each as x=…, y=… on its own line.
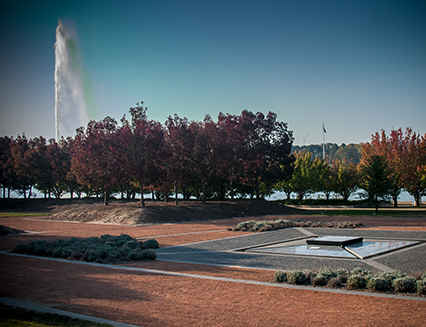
x=345, y=178
x=375, y=179
x=308, y=175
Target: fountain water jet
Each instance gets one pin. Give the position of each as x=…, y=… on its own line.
x=71, y=87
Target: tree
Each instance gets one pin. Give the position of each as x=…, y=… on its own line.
x=414, y=158
x=204, y=151
x=97, y=156
x=266, y=149
x=375, y=180
x=20, y=159
x=41, y=165
x=7, y=172
x=345, y=178
x=308, y=174
x=142, y=142
x=229, y=163
x=391, y=148
x=179, y=146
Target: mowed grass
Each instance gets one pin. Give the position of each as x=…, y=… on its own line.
x=384, y=212
x=21, y=214
x=19, y=317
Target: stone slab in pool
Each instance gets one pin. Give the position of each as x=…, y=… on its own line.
x=368, y=249
x=305, y=249
x=360, y=250
x=335, y=240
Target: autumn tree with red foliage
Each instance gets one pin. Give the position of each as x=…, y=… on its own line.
x=405, y=153
x=21, y=160
x=179, y=149
x=142, y=142
x=97, y=156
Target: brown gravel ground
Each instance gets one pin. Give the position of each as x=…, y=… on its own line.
x=160, y=300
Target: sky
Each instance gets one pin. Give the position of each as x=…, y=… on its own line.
x=358, y=66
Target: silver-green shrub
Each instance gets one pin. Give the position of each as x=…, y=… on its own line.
x=104, y=249
x=390, y=275
x=377, y=284
x=421, y=286
x=246, y=224
x=334, y=282
x=280, y=276
x=404, y=284
x=356, y=281
x=362, y=272
x=296, y=277
x=319, y=280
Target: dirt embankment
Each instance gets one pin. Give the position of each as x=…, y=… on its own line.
x=132, y=213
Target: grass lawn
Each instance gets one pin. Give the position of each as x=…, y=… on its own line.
x=19, y=317
x=383, y=212
x=21, y=214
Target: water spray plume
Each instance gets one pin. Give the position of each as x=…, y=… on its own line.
x=71, y=87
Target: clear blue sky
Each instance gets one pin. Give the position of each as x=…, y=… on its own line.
x=357, y=66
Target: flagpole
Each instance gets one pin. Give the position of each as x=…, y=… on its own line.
x=323, y=141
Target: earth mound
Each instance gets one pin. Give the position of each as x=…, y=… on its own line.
x=4, y=230
x=132, y=213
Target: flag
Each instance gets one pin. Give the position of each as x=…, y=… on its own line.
x=323, y=128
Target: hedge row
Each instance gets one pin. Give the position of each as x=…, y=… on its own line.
x=267, y=225
x=356, y=279
x=103, y=249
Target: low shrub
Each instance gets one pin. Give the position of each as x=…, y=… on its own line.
x=361, y=272
x=151, y=244
x=356, y=281
x=246, y=224
x=404, y=284
x=296, y=277
x=390, y=275
x=103, y=249
x=280, y=277
x=135, y=254
x=319, y=280
x=327, y=273
x=132, y=244
x=265, y=225
x=377, y=284
x=421, y=286
x=334, y=282
x=149, y=254
x=261, y=224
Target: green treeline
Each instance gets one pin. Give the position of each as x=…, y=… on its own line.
x=351, y=152
x=388, y=165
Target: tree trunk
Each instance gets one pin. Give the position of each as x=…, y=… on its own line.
x=221, y=191
x=106, y=197
x=231, y=186
x=204, y=191
x=257, y=190
x=142, y=199
x=395, y=201
x=176, y=194
x=417, y=199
